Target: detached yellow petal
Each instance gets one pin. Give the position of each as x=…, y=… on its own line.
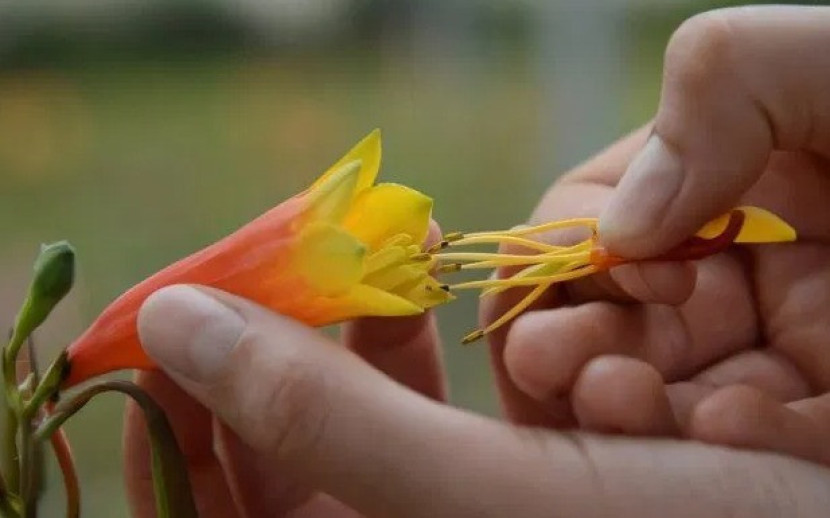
x=368, y=153
x=329, y=259
x=760, y=226
x=387, y=210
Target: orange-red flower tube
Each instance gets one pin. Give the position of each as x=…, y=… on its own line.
x=342, y=249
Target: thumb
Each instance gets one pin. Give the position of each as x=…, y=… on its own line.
x=737, y=84
x=321, y=415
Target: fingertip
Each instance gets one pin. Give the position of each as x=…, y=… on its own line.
x=189, y=331
x=433, y=234
x=545, y=350
x=525, y=350
x=407, y=349
x=621, y=394
x=745, y=417
x=731, y=415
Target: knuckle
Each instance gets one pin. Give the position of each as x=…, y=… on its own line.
x=285, y=414
x=700, y=50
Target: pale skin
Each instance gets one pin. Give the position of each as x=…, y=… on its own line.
x=716, y=406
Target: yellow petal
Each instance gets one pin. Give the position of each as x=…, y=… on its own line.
x=363, y=300
x=386, y=210
x=387, y=257
x=331, y=199
x=393, y=278
x=330, y=259
x=428, y=294
x=367, y=152
x=760, y=226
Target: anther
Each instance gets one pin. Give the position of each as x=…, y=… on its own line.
x=449, y=268
x=437, y=247
x=420, y=257
x=443, y=287
x=472, y=337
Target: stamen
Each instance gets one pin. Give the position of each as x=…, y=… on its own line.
x=513, y=240
x=523, y=304
x=531, y=271
x=590, y=223
x=512, y=282
x=498, y=260
x=545, y=264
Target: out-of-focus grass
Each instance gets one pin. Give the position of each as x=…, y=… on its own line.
x=138, y=164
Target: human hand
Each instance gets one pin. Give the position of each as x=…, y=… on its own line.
x=276, y=419
x=744, y=118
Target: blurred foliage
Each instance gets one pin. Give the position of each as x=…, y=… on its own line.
x=144, y=143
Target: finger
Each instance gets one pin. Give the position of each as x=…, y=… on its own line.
x=581, y=192
x=745, y=417
x=407, y=349
x=546, y=349
x=585, y=193
x=318, y=410
x=647, y=478
x=615, y=394
x=261, y=489
x=731, y=81
x=191, y=424
x=762, y=369
x=517, y=405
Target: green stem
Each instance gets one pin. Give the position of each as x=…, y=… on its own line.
x=6, y=507
x=47, y=387
x=171, y=483
x=26, y=471
x=9, y=506
x=10, y=455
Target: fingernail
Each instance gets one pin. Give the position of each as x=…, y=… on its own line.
x=644, y=194
x=188, y=332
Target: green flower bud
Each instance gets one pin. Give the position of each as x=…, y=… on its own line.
x=54, y=273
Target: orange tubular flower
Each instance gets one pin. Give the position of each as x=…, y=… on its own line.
x=548, y=264
x=342, y=249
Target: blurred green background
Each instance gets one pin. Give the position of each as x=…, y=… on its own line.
x=143, y=130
